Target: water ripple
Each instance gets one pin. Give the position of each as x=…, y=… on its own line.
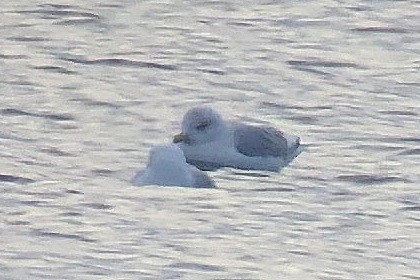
x=370, y=179
x=15, y=179
x=13, y=56
x=54, y=117
x=51, y=234
x=319, y=63
x=52, y=11
x=197, y=266
x=410, y=152
x=56, y=152
x=411, y=208
x=55, y=69
x=399, y=113
x=98, y=206
x=274, y=189
x=380, y=29
x=117, y=62
x=27, y=39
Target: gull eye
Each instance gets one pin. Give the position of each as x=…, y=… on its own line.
x=202, y=126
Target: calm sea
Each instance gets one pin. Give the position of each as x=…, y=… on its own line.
x=87, y=88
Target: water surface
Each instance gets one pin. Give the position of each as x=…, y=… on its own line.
x=88, y=87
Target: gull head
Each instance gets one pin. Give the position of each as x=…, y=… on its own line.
x=200, y=125
x=166, y=155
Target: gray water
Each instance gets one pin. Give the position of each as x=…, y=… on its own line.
x=88, y=87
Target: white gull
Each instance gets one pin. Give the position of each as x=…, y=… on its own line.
x=168, y=167
x=209, y=142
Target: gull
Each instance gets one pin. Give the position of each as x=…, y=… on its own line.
x=168, y=167
x=209, y=142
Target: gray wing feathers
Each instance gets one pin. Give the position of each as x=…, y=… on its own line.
x=260, y=141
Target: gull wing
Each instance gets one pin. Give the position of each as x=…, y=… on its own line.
x=260, y=141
